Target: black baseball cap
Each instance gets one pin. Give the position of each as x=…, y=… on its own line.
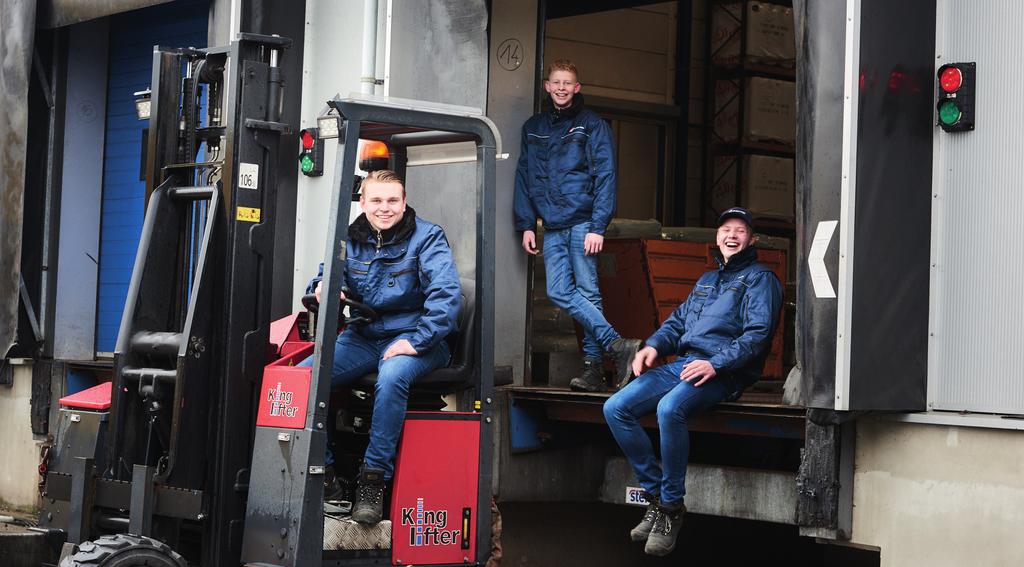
x=737, y=213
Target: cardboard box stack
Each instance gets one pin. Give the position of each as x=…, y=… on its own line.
x=769, y=111
x=753, y=54
x=770, y=34
x=766, y=185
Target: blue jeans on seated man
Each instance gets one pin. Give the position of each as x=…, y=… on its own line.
x=572, y=285
x=660, y=391
x=356, y=356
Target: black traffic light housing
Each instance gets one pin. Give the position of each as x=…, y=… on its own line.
x=311, y=158
x=955, y=107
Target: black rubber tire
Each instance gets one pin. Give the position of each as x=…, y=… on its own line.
x=123, y=550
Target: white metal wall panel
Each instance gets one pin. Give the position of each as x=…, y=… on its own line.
x=976, y=353
x=333, y=45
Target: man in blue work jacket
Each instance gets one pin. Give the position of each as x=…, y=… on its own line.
x=402, y=267
x=721, y=335
x=566, y=178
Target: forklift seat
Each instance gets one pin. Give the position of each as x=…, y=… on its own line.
x=459, y=374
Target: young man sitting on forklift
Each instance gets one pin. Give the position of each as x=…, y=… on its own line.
x=402, y=267
x=721, y=336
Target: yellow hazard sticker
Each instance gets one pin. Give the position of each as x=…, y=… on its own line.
x=248, y=214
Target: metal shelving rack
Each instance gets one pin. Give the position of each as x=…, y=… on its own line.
x=715, y=145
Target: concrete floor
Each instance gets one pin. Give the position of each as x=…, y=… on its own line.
x=592, y=535
x=597, y=535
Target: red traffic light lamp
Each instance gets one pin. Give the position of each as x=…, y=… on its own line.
x=311, y=157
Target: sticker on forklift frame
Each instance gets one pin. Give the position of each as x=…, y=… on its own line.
x=248, y=214
x=248, y=175
x=823, y=287
x=635, y=496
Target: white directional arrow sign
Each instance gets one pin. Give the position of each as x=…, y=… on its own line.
x=816, y=259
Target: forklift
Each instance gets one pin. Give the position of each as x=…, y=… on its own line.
x=440, y=511
x=207, y=448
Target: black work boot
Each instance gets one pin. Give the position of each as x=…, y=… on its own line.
x=333, y=489
x=643, y=529
x=622, y=351
x=662, y=539
x=368, y=507
x=592, y=379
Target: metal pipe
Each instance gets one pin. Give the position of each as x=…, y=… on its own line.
x=158, y=374
x=191, y=193
x=368, y=78
x=48, y=285
x=275, y=87
x=388, y=11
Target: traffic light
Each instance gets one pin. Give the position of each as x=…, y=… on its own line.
x=311, y=159
x=956, y=97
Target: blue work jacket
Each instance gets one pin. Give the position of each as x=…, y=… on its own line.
x=566, y=171
x=407, y=275
x=728, y=319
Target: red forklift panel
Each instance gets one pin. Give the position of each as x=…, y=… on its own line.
x=95, y=398
x=283, y=397
x=433, y=507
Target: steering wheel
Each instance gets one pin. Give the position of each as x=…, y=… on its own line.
x=366, y=313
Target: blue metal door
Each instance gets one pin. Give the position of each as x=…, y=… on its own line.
x=132, y=37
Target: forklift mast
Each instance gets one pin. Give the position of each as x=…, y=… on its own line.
x=193, y=338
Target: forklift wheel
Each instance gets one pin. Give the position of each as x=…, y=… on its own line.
x=123, y=550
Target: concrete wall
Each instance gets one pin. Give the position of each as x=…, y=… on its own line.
x=939, y=495
x=19, y=449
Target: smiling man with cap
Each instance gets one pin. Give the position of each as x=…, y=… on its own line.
x=721, y=336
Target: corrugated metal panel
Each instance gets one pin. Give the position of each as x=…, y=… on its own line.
x=132, y=37
x=976, y=358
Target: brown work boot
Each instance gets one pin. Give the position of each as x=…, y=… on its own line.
x=368, y=507
x=622, y=351
x=592, y=379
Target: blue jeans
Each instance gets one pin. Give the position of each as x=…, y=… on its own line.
x=675, y=401
x=572, y=285
x=356, y=356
